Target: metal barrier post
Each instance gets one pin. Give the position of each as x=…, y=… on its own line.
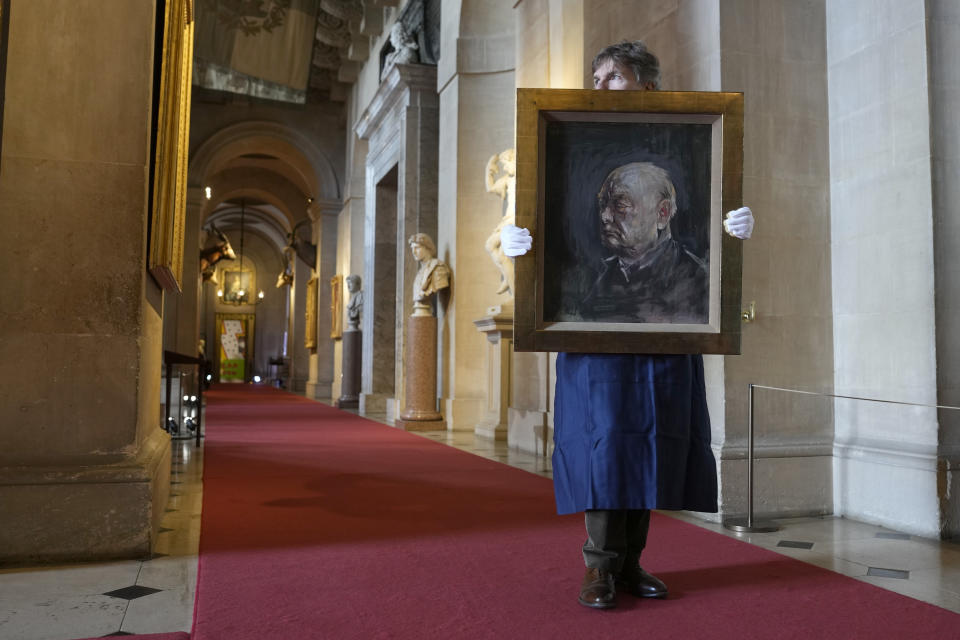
x=199, y=403
x=747, y=525
x=166, y=406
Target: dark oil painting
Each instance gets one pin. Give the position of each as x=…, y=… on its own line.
x=626, y=225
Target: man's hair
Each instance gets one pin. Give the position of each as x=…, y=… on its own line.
x=424, y=241
x=635, y=56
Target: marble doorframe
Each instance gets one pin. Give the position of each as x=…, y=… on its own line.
x=401, y=125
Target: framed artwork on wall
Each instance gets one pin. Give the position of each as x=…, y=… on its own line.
x=238, y=286
x=235, y=355
x=310, y=335
x=171, y=144
x=4, y=36
x=336, y=307
x=624, y=194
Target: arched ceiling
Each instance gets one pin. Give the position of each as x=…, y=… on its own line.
x=266, y=163
x=258, y=217
x=269, y=144
x=258, y=183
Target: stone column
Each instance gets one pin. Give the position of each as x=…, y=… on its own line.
x=296, y=350
x=84, y=465
x=498, y=327
x=550, y=38
x=324, y=216
x=945, y=149
x=477, y=88
x=884, y=259
x=787, y=264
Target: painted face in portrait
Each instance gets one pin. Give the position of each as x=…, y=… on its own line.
x=632, y=218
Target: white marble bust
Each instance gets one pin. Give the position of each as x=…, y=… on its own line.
x=432, y=276
x=404, y=49
x=355, y=303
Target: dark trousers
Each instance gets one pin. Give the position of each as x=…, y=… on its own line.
x=615, y=537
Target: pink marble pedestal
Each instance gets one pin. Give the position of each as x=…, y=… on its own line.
x=420, y=412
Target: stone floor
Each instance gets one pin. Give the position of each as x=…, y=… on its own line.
x=157, y=594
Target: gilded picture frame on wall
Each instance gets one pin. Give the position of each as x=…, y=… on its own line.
x=624, y=194
x=238, y=286
x=171, y=146
x=4, y=36
x=336, y=307
x=310, y=334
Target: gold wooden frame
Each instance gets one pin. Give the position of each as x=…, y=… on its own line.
x=4, y=38
x=248, y=274
x=165, y=260
x=336, y=307
x=310, y=335
x=536, y=109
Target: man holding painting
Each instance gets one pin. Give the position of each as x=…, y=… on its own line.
x=631, y=431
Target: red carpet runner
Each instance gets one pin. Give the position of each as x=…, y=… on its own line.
x=320, y=524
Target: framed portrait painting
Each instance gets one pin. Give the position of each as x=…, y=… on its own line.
x=624, y=193
x=238, y=286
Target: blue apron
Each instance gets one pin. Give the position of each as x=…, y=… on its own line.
x=632, y=431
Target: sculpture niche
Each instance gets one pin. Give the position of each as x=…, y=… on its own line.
x=216, y=247
x=420, y=412
x=352, y=347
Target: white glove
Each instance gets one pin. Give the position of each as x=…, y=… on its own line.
x=739, y=223
x=515, y=241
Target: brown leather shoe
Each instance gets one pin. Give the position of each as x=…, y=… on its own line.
x=597, y=589
x=640, y=583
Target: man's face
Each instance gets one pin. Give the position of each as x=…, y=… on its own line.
x=616, y=77
x=628, y=225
